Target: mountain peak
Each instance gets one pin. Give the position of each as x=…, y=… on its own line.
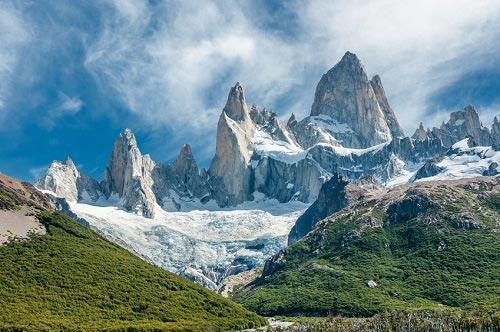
x=69, y=162
x=350, y=58
x=291, y=121
x=236, y=107
x=185, y=156
x=346, y=95
x=128, y=136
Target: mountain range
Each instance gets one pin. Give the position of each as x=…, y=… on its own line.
x=352, y=136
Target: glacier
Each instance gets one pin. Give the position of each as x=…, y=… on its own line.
x=204, y=245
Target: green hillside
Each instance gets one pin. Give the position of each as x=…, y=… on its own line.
x=428, y=246
x=71, y=278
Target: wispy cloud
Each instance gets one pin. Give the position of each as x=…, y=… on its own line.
x=168, y=65
x=174, y=63
x=65, y=106
x=14, y=33
x=417, y=47
x=180, y=71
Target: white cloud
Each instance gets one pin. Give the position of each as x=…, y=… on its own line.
x=180, y=73
x=417, y=47
x=173, y=64
x=65, y=106
x=14, y=34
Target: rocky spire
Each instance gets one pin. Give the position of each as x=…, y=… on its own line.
x=390, y=117
x=495, y=133
x=64, y=180
x=462, y=124
x=420, y=134
x=60, y=178
x=292, y=121
x=185, y=165
x=230, y=166
x=129, y=175
x=346, y=94
x=236, y=107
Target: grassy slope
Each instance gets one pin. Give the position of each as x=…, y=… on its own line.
x=321, y=276
x=72, y=278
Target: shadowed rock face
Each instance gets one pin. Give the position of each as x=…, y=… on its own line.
x=412, y=205
x=335, y=194
x=346, y=94
x=429, y=169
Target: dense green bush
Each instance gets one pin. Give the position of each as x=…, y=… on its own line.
x=71, y=278
x=426, y=263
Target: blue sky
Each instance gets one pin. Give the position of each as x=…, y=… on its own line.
x=74, y=73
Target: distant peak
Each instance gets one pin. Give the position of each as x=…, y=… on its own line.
x=470, y=108
x=349, y=56
x=376, y=80
x=69, y=162
x=186, y=150
x=127, y=136
x=291, y=121
x=495, y=120
x=185, y=159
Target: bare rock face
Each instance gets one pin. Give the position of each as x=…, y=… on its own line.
x=334, y=195
x=230, y=169
x=429, y=169
x=495, y=134
x=129, y=175
x=180, y=181
x=270, y=123
x=64, y=180
x=60, y=178
x=420, y=134
x=463, y=124
x=390, y=117
x=346, y=95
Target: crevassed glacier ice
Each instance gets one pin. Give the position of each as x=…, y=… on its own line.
x=202, y=244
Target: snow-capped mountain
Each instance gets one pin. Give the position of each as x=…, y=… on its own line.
x=208, y=224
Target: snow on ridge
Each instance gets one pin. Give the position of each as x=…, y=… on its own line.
x=342, y=151
x=467, y=162
x=266, y=146
x=330, y=125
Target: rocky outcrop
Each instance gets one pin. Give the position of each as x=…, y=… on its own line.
x=180, y=182
x=230, y=171
x=346, y=95
x=463, y=124
x=271, y=124
x=492, y=170
x=420, y=134
x=64, y=180
x=414, y=203
x=60, y=178
x=430, y=168
x=335, y=194
x=129, y=176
